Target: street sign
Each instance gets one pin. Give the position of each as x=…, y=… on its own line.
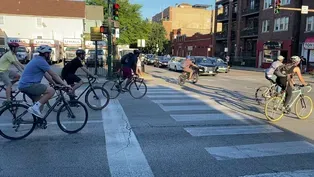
x=304, y=9
x=95, y=34
x=117, y=33
x=141, y=43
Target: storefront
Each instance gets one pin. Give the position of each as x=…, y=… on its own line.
x=268, y=51
x=308, y=52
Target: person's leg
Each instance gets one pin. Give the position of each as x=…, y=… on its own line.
x=127, y=74
x=75, y=81
x=14, y=76
x=4, y=76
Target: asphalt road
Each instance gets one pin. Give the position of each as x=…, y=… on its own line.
x=212, y=128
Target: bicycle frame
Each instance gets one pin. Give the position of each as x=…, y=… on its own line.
x=90, y=82
x=299, y=93
x=2, y=87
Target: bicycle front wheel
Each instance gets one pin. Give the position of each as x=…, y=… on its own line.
x=181, y=80
x=97, y=98
x=262, y=94
x=138, y=89
x=304, y=103
x=15, y=122
x=74, y=118
x=274, y=109
x=113, y=88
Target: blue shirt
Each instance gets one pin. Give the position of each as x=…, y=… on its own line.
x=34, y=72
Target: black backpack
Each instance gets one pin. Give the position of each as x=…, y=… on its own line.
x=125, y=58
x=284, y=70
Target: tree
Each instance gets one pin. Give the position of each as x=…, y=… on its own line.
x=157, y=38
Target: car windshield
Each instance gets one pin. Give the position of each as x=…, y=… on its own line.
x=164, y=58
x=70, y=49
x=92, y=52
x=21, y=49
x=204, y=60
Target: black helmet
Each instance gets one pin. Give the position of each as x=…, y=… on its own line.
x=80, y=52
x=137, y=52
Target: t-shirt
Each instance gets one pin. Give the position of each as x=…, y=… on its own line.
x=71, y=67
x=34, y=72
x=273, y=67
x=6, y=60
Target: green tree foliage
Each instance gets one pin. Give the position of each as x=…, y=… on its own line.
x=157, y=38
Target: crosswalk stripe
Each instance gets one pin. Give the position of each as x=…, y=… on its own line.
x=168, y=91
x=206, y=117
x=173, y=96
x=185, y=100
x=260, y=150
x=187, y=108
x=298, y=173
x=231, y=130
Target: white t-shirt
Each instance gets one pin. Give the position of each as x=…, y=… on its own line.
x=139, y=63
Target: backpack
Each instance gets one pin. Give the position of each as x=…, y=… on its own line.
x=284, y=70
x=125, y=58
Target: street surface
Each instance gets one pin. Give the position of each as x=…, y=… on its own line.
x=212, y=128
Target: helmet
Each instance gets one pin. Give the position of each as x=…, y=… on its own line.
x=295, y=59
x=280, y=58
x=44, y=49
x=188, y=57
x=79, y=52
x=136, y=52
x=13, y=44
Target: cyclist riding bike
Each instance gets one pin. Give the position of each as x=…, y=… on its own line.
x=9, y=77
x=68, y=72
x=30, y=82
x=187, y=67
x=129, y=64
x=269, y=73
x=285, y=78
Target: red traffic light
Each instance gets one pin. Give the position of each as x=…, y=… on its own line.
x=116, y=6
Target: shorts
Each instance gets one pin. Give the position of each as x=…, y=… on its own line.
x=7, y=76
x=127, y=72
x=34, y=91
x=71, y=79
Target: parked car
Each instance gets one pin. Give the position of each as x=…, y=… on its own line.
x=222, y=66
x=22, y=54
x=90, y=58
x=176, y=63
x=2, y=51
x=69, y=54
x=150, y=59
x=161, y=61
x=206, y=65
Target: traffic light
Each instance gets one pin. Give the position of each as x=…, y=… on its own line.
x=116, y=11
x=277, y=6
x=103, y=29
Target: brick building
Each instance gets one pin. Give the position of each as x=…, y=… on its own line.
x=196, y=45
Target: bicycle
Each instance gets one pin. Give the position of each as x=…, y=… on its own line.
x=185, y=75
x=263, y=93
x=299, y=100
x=14, y=95
x=116, y=88
x=32, y=121
x=90, y=90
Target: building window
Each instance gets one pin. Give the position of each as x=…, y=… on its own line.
x=252, y=4
x=309, y=24
x=281, y=24
x=39, y=22
x=1, y=20
x=267, y=4
x=265, y=26
x=285, y=2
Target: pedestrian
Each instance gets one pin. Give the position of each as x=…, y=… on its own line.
x=139, y=67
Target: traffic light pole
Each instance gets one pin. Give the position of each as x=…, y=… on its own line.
x=294, y=9
x=109, y=58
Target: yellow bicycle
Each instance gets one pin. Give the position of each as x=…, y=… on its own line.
x=274, y=108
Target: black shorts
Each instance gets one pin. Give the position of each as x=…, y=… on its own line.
x=71, y=79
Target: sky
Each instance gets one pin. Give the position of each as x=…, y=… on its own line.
x=152, y=7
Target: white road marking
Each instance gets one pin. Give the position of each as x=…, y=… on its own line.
x=125, y=156
x=204, y=117
x=231, y=130
x=299, y=173
x=187, y=108
x=180, y=95
x=260, y=150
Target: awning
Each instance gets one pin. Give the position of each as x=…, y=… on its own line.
x=309, y=43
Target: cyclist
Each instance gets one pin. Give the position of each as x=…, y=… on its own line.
x=287, y=82
x=68, y=72
x=129, y=64
x=269, y=73
x=187, y=66
x=30, y=84
x=6, y=74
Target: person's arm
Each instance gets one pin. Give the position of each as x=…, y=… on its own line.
x=52, y=77
x=49, y=78
x=88, y=72
x=16, y=64
x=297, y=70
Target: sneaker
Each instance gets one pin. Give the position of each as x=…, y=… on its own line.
x=35, y=111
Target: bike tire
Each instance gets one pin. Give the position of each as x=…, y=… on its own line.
x=195, y=78
x=278, y=102
x=67, y=106
x=140, y=83
x=112, y=87
x=259, y=95
x=301, y=102
x=181, y=80
x=104, y=92
x=33, y=123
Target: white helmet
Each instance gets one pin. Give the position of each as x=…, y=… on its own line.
x=295, y=59
x=44, y=49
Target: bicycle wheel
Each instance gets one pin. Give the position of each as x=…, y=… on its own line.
x=140, y=89
x=27, y=100
x=97, y=98
x=303, y=102
x=273, y=105
x=181, y=80
x=15, y=122
x=113, y=88
x=195, y=78
x=262, y=94
x=74, y=118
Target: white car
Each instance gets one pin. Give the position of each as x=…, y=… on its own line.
x=176, y=63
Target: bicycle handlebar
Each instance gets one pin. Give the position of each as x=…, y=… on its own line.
x=61, y=87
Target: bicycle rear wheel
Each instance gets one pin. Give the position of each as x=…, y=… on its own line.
x=262, y=94
x=74, y=118
x=274, y=109
x=195, y=78
x=15, y=122
x=113, y=88
x=303, y=103
x=97, y=98
x=138, y=89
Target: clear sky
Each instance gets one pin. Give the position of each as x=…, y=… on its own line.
x=152, y=7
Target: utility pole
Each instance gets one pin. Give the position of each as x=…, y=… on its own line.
x=109, y=39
